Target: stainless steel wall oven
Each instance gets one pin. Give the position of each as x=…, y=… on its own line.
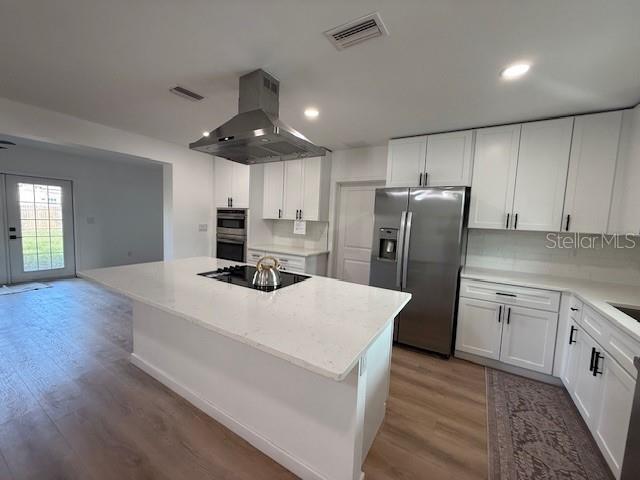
x=231, y=234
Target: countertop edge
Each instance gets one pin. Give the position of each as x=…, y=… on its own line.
x=332, y=375
x=549, y=285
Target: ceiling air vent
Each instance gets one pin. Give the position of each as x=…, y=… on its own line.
x=357, y=31
x=186, y=93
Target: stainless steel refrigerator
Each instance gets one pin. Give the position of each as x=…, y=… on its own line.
x=419, y=244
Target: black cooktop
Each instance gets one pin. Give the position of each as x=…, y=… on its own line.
x=242, y=275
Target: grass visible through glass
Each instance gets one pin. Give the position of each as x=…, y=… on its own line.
x=41, y=226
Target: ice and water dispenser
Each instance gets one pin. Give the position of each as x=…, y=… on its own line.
x=388, y=247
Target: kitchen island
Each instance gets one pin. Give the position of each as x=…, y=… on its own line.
x=302, y=373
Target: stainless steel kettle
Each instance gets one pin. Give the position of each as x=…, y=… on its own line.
x=267, y=275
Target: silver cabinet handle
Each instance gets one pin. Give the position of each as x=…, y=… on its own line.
x=405, y=250
x=403, y=224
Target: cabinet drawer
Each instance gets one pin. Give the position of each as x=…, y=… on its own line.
x=511, y=295
x=623, y=349
x=595, y=325
x=253, y=256
x=575, y=309
x=290, y=262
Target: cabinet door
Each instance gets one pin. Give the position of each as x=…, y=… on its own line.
x=312, y=171
x=223, y=182
x=240, y=186
x=572, y=357
x=541, y=179
x=528, y=338
x=293, y=183
x=625, y=211
x=612, y=422
x=479, y=327
x=592, y=166
x=449, y=157
x=273, y=190
x=405, y=162
x=587, y=391
x=494, y=175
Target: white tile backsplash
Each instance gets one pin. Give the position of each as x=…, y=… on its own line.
x=315, y=238
x=527, y=252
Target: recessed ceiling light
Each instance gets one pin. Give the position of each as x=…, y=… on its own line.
x=311, y=112
x=205, y=134
x=515, y=71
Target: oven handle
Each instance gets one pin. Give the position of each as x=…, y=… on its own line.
x=230, y=240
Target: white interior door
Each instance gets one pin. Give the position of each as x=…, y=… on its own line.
x=40, y=228
x=355, y=233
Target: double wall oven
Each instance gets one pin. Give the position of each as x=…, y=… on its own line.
x=231, y=234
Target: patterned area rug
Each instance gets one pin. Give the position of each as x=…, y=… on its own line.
x=535, y=432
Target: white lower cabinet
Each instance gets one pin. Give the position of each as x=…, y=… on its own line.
x=479, y=327
x=312, y=264
x=524, y=337
x=601, y=389
x=612, y=419
x=528, y=338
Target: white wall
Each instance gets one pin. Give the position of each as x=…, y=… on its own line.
x=356, y=165
x=191, y=184
x=117, y=204
x=527, y=252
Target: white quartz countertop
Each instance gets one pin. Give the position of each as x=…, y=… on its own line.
x=596, y=294
x=322, y=324
x=288, y=250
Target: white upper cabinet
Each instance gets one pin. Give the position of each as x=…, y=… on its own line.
x=405, y=162
x=293, y=189
x=541, y=179
x=449, y=158
x=231, y=184
x=494, y=175
x=297, y=189
x=625, y=212
x=592, y=166
x=436, y=160
x=273, y=205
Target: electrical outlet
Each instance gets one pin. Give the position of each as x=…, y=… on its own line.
x=203, y=227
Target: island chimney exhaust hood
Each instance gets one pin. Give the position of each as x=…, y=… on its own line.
x=256, y=134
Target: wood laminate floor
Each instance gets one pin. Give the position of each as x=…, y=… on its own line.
x=72, y=407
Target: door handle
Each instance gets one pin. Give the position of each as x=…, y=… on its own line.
x=499, y=313
x=231, y=201
x=13, y=237
x=279, y=213
x=420, y=179
x=571, y=339
x=574, y=309
x=568, y=221
x=508, y=218
x=515, y=222
x=507, y=294
x=405, y=250
x=403, y=224
x=508, y=315
x=300, y=214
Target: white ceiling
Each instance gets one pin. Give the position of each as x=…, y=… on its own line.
x=113, y=61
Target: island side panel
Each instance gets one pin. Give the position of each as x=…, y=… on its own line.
x=378, y=366
x=311, y=424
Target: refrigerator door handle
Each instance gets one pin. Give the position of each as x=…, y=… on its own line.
x=403, y=223
x=405, y=250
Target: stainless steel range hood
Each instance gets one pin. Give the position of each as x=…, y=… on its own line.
x=256, y=134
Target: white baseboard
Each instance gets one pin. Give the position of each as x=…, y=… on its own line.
x=261, y=443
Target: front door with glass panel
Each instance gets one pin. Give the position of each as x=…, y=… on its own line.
x=40, y=228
